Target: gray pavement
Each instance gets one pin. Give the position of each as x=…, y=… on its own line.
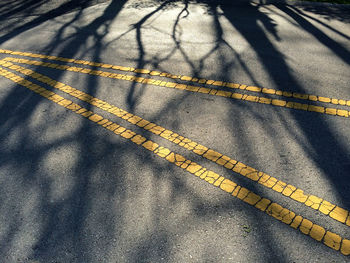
x=73, y=191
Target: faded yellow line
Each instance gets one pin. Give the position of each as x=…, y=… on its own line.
x=275, y=210
x=337, y=213
x=287, y=94
x=215, y=92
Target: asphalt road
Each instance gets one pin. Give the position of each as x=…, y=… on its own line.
x=74, y=188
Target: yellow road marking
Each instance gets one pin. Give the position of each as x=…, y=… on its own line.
x=287, y=94
x=337, y=213
x=215, y=92
x=275, y=210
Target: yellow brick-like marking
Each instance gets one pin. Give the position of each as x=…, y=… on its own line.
x=166, y=134
x=204, y=90
x=171, y=157
x=228, y=186
x=300, y=96
x=253, y=88
x=142, y=123
x=288, y=190
x=245, y=171
x=252, y=98
x=263, y=204
x=200, y=149
x=300, y=106
x=331, y=111
x=263, y=179
x=299, y=196
x=317, y=232
x=312, y=97
x=342, y=102
x=138, y=139
x=326, y=207
x=287, y=94
x=55, y=98
x=149, y=126
x=343, y=113
x=142, y=71
x=348, y=220
x=296, y=222
x=193, y=168
x=211, y=177
x=332, y=240
x=113, y=126
x=170, y=85
x=200, y=172
x=154, y=73
x=134, y=119
x=195, y=89
x=203, y=175
x=280, y=103
x=126, y=116
x=162, y=151
x=186, y=78
x=275, y=211
x=95, y=117
x=268, y=91
x=179, y=159
x=339, y=214
x=219, y=181
x=87, y=113
x=157, y=130
x=345, y=247
x=217, y=83
x=254, y=175
x=252, y=198
x=101, y=122
x=149, y=145
x=265, y=100
x=314, y=202
x=236, y=191
x=305, y=226
x=323, y=99
x=222, y=93
x=334, y=101
x=239, y=167
x=288, y=217
x=270, y=182
x=127, y=134
x=237, y=96
x=212, y=155
x=243, y=192
x=279, y=186
x=316, y=108
x=230, y=164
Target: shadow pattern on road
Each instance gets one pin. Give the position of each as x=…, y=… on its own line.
x=95, y=206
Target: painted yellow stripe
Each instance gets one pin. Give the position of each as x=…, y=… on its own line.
x=337, y=213
x=287, y=94
x=275, y=210
x=215, y=92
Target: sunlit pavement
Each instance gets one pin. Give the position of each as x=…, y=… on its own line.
x=151, y=131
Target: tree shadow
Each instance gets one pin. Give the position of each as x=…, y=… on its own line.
x=69, y=222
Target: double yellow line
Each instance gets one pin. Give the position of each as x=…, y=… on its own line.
x=277, y=211
x=199, y=89
x=262, y=178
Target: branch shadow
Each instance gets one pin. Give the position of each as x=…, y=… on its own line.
x=69, y=222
